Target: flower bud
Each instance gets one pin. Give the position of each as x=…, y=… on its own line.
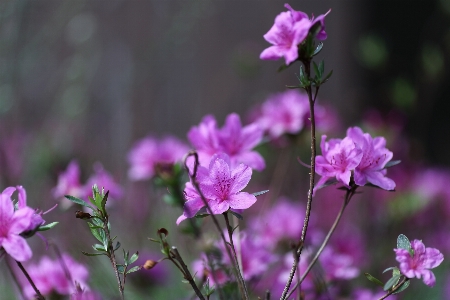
x=149, y=264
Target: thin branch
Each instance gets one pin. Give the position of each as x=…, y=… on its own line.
x=186, y=273
x=404, y=280
x=312, y=172
x=38, y=293
x=193, y=177
x=348, y=196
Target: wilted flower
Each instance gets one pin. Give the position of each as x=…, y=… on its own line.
x=419, y=262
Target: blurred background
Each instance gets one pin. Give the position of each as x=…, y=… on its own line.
x=85, y=79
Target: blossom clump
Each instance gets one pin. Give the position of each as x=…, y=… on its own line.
x=221, y=187
x=358, y=155
x=290, y=29
x=50, y=276
x=233, y=139
x=149, y=152
x=419, y=261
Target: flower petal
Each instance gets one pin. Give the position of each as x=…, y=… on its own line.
x=240, y=178
x=17, y=247
x=241, y=200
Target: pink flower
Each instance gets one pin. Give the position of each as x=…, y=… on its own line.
x=374, y=159
x=36, y=219
x=232, y=139
x=290, y=29
x=12, y=224
x=221, y=185
x=338, y=159
x=49, y=276
x=69, y=182
x=148, y=152
x=420, y=262
x=103, y=180
x=284, y=113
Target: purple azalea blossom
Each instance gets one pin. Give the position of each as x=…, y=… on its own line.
x=374, y=159
x=338, y=265
x=68, y=184
x=232, y=139
x=148, y=152
x=49, y=276
x=12, y=224
x=290, y=29
x=36, y=219
x=221, y=185
x=284, y=113
x=338, y=159
x=365, y=294
x=420, y=263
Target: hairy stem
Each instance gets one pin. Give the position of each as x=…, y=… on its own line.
x=241, y=284
x=186, y=273
x=312, y=172
x=348, y=196
x=112, y=258
x=38, y=293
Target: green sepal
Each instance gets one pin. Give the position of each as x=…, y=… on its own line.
x=47, y=227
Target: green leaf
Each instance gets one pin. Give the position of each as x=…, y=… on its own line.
x=240, y=217
x=403, y=242
x=103, y=202
x=99, y=247
x=327, y=77
x=316, y=69
x=392, y=163
x=388, y=269
x=282, y=68
x=133, y=258
x=373, y=279
x=403, y=287
x=97, y=232
x=134, y=269
x=120, y=269
x=93, y=254
x=327, y=183
x=294, y=87
x=318, y=49
x=321, y=68
x=117, y=246
x=47, y=227
x=78, y=201
x=396, y=272
x=391, y=282
x=201, y=216
x=259, y=193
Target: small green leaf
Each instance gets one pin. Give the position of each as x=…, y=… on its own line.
x=403, y=287
x=294, y=87
x=392, y=163
x=327, y=77
x=327, y=183
x=78, y=201
x=316, y=69
x=184, y=281
x=240, y=217
x=391, y=282
x=388, y=269
x=199, y=216
x=318, y=49
x=103, y=203
x=373, y=279
x=99, y=247
x=282, y=68
x=47, y=227
x=120, y=269
x=134, y=269
x=93, y=254
x=403, y=242
x=117, y=246
x=321, y=68
x=133, y=258
x=259, y=193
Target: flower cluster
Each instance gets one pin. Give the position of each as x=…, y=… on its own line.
x=290, y=30
x=232, y=139
x=358, y=155
x=149, y=153
x=16, y=222
x=221, y=187
x=69, y=183
x=50, y=276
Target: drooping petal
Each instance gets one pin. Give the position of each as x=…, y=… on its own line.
x=428, y=278
x=191, y=207
x=241, y=201
x=9, y=191
x=378, y=179
x=17, y=247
